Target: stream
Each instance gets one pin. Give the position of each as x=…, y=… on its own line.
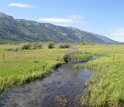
x=63, y=88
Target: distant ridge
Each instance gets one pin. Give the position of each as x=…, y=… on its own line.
x=21, y=31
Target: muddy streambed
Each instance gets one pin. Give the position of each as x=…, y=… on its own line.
x=63, y=88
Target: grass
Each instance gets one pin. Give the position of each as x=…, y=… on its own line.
x=83, y=57
x=18, y=68
x=21, y=67
x=79, y=66
x=106, y=86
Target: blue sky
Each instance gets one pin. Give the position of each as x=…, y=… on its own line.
x=105, y=17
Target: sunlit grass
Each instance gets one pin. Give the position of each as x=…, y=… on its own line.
x=21, y=67
x=82, y=56
x=106, y=86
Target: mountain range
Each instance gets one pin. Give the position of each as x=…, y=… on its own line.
x=20, y=31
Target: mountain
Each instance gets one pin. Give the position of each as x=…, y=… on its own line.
x=21, y=31
x=106, y=39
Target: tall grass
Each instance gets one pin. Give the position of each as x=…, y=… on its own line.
x=18, y=68
x=106, y=86
x=82, y=57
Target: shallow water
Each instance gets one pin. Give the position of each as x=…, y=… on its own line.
x=63, y=88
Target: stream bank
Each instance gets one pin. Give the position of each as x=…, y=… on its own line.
x=63, y=88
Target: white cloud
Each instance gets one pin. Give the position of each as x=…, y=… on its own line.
x=20, y=5
x=76, y=17
x=57, y=20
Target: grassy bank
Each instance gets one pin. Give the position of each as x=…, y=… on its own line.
x=83, y=57
x=20, y=67
x=17, y=68
x=106, y=86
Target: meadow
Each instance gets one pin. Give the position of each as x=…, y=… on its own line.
x=17, y=68
x=106, y=86
x=20, y=67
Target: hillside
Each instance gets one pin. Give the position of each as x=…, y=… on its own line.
x=105, y=39
x=20, y=31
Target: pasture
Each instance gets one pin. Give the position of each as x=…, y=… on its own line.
x=106, y=86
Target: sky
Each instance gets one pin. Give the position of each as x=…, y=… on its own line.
x=104, y=17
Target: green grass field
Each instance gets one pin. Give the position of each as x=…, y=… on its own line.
x=106, y=86
x=21, y=67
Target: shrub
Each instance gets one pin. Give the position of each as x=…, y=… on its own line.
x=50, y=45
x=34, y=46
x=69, y=53
x=26, y=46
x=37, y=46
x=40, y=46
x=64, y=45
x=85, y=43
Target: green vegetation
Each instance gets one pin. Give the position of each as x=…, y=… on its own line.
x=69, y=53
x=79, y=66
x=75, y=54
x=30, y=46
x=83, y=57
x=26, y=46
x=37, y=46
x=85, y=43
x=50, y=45
x=106, y=86
x=64, y=45
x=22, y=31
x=20, y=67
x=17, y=68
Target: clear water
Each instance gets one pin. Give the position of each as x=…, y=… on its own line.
x=63, y=88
